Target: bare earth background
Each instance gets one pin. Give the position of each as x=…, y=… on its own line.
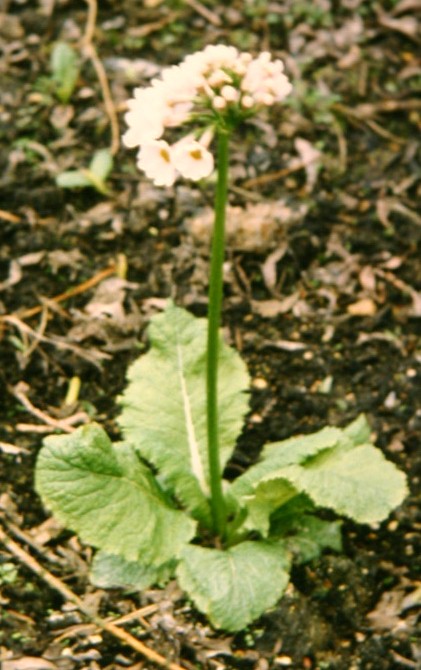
x=321, y=285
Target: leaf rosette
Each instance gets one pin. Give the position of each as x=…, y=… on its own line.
x=144, y=501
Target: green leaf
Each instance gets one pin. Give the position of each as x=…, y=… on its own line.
x=235, y=586
x=305, y=535
x=111, y=571
x=269, y=496
x=73, y=179
x=358, y=483
x=93, y=177
x=164, y=405
x=104, y=493
x=358, y=431
x=280, y=454
x=101, y=164
x=64, y=65
x=312, y=536
x=332, y=467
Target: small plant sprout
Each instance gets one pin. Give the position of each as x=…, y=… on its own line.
x=64, y=65
x=155, y=504
x=94, y=176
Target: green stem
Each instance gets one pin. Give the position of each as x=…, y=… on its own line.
x=214, y=318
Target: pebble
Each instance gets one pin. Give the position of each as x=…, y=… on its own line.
x=283, y=661
x=259, y=383
x=256, y=418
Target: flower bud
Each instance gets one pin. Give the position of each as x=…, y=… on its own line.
x=230, y=94
x=219, y=102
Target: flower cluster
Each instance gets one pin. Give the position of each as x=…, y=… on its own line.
x=218, y=87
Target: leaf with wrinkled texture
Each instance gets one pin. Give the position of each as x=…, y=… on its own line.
x=110, y=571
x=104, y=493
x=164, y=405
x=287, y=452
x=235, y=586
x=358, y=483
x=334, y=467
x=312, y=536
x=271, y=495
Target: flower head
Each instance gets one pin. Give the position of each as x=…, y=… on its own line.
x=193, y=160
x=217, y=87
x=155, y=159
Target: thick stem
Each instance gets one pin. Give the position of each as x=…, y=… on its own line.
x=214, y=318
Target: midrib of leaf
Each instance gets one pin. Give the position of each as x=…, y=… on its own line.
x=196, y=463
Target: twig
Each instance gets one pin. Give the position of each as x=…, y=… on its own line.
x=39, y=333
x=27, y=539
x=9, y=448
x=8, y=216
x=60, y=343
x=204, y=11
x=382, y=132
x=19, y=391
x=26, y=559
x=149, y=28
x=76, y=290
x=90, y=628
x=274, y=176
x=91, y=53
x=34, y=428
x=370, y=109
x=342, y=146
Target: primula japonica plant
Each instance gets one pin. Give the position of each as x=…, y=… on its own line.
x=155, y=505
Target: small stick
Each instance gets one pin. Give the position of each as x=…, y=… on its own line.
x=273, y=176
x=76, y=290
x=91, y=53
x=19, y=391
x=56, y=584
x=204, y=11
x=368, y=110
x=8, y=216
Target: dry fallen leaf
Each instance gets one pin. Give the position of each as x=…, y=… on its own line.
x=255, y=228
x=28, y=663
x=269, y=272
x=310, y=157
x=15, y=275
x=271, y=308
x=391, y=608
x=363, y=307
x=367, y=278
x=407, y=25
x=61, y=258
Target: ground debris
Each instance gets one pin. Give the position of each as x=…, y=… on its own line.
x=253, y=229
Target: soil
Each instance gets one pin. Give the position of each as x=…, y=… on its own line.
x=323, y=306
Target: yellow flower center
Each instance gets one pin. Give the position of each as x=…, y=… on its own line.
x=196, y=154
x=165, y=155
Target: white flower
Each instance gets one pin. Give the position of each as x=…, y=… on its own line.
x=218, y=77
x=230, y=94
x=213, y=57
x=192, y=159
x=265, y=80
x=247, y=102
x=155, y=159
x=216, y=85
x=145, y=118
x=177, y=90
x=219, y=102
